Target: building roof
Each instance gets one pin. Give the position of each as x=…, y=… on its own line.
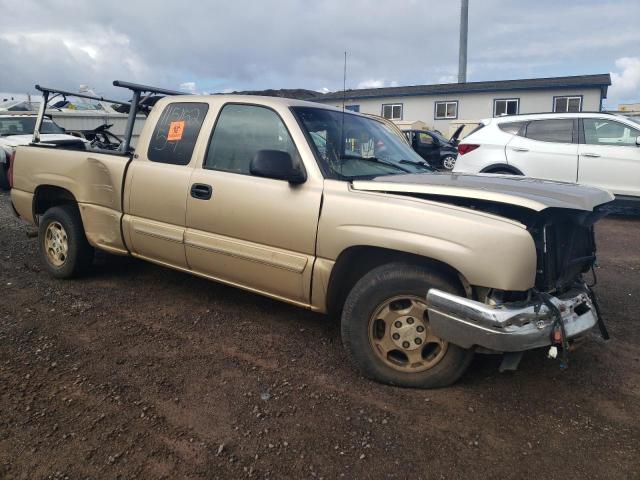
x=601, y=81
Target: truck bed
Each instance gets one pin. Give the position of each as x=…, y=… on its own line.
x=94, y=180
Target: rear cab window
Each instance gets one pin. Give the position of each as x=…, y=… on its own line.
x=174, y=136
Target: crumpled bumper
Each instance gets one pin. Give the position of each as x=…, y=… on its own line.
x=508, y=327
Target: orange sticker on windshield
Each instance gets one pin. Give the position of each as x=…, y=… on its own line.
x=175, y=131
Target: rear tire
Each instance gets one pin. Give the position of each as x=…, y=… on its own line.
x=4, y=177
x=64, y=249
x=504, y=172
x=449, y=162
x=386, y=331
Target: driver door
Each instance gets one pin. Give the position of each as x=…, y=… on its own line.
x=252, y=232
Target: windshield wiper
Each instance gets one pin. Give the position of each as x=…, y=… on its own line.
x=375, y=160
x=417, y=164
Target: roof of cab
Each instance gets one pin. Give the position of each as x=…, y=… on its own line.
x=253, y=99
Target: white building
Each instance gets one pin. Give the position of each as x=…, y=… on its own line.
x=443, y=107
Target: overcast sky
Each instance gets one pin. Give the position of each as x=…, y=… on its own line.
x=215, y=46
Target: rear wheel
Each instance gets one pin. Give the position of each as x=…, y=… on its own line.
x=504, y=172
x=4, y=177
x=449, y=162
x=64, y=248
x=385, y=328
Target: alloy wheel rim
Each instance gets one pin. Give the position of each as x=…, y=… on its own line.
x=449, y=163
x=56, y=244
x=400, y=335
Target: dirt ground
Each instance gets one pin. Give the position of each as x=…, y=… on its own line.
x=140, y=372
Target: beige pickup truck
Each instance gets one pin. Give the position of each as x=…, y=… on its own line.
x=330, y=211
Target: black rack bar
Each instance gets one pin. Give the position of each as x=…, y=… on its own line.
x=133, y=105
x=146, y=88
x=79, y=95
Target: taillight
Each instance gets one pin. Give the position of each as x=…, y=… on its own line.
x=466, y=148
x=10, y=171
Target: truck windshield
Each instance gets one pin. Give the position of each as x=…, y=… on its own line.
x=24, y=126
x=352, y=146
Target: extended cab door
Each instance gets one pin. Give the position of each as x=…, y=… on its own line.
x=253, y=232
x=546, y=149
x=609, y=156
x=158, y=184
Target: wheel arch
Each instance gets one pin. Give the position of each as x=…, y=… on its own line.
x=355, y=261
x=501, y=166
x=47, y=196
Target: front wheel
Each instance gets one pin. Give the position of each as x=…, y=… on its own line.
x=449, y=162
x=64, y=248
x=385, y=328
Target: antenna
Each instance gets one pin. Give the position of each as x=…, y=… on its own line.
x=344, y=95
x=344, y=81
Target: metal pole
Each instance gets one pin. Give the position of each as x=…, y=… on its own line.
x=41, y=110
x=128, y=131
x=464, y=26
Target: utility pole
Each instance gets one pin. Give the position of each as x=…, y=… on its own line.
x=464, y=27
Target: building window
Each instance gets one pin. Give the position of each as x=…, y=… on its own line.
x=567, y=104
x=392, y=111
x=506, y=106
x=352, y=108
x=446, y=110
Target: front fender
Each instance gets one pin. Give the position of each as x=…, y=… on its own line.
x=487, y=250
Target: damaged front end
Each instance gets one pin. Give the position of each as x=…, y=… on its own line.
x=560, y=308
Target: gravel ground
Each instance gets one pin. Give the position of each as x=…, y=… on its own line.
x=140, y=372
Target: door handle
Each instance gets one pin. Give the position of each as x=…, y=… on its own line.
x=594, y=155
x=201, y=191
x=519, y=149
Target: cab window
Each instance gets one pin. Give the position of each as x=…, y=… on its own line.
x=176, y=132
x=240, y=132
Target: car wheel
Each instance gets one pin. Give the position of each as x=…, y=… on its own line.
x=504, y=172
x=4, y=177
x=385, y=329
x=449, y=162
x=64, y=248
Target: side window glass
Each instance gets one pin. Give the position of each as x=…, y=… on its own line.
x=598, y=131
x=176, y=132
x=514, y=128
x=558, y=131
x=425, y=139
x=241, y=131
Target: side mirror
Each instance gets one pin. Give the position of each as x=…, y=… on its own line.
x=278, y=165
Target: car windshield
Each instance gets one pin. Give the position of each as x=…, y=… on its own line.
x=352, y=146
x=25, y=125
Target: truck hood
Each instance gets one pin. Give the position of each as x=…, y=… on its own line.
x=17, y=140
x=531, y=193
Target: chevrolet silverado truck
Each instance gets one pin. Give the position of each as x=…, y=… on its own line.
x=332, y=212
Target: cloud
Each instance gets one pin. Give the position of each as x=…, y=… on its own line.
x=625, y=86
x=247, y=45
x=371, y=83
x=188, y=87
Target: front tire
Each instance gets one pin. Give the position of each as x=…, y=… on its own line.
x=64, y=249
x=385, y=329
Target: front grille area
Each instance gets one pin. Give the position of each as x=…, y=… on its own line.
x=565, y=250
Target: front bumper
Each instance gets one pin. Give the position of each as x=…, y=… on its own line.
x=508, y=327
